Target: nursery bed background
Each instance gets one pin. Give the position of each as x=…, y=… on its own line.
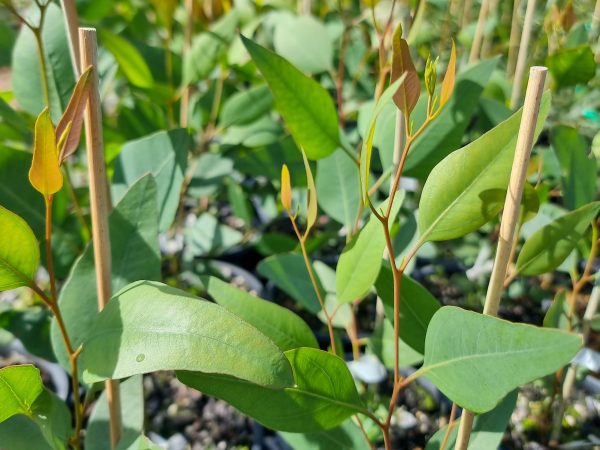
x=187, y=100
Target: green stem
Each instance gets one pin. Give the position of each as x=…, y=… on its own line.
x=37, y=33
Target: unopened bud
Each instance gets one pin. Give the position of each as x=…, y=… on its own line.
x=430, y=75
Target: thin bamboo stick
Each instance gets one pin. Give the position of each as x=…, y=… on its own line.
x=513, y=43
x=100, y=206
x=72, y=25
x=477, y=40
x=510, y=214
x=466, y=13
x=488, y=36
x=523, y=53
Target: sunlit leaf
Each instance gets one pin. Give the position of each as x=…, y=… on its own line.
x=286, y=189
x=448, y=83
x=45, y=175
x=20, y=386
x=311, y=201
x=464, y=350
x=19, y=251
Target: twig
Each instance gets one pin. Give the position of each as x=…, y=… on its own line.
x=523, y=52
x=99, y=206
x=477, y=40
x=513, y=43
x=510, y=215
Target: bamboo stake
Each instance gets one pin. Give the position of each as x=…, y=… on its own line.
x=466, y=13
x=513, y=43
x=488, y=37
x=184, y=107
x=72, y=25
x=510, y=215
x=100, y=206
x=476, y=47
x=523, y=51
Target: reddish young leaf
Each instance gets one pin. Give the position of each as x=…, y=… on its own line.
x=408, y=94
x=44, y=173
x=74, y=115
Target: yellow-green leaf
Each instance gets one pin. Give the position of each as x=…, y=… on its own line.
x=68, y=130
x=44, y=174
x=20, y=386
x=286, y=189
x=19, y=251
x=311, y=205
x=448, y=83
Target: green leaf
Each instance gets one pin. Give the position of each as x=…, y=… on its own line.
x=133, y=228
x=381, y=344
x=32, y=327
x=304, y=42
x=128, y=58
x=19, y=251
x=347, y=436
x=571, y=66
x=208, y=48
x=476, y=359
x=246, y=106
x=367, y=145
x=452, y=206
x=417, y=307
x=149, y=326
x=20, y=386
x=557, y=314
x=207, y=237
x=97, y=434
x=305, y=106
x=578, y=168
x=548, y=247
x=26, y=77
x=283, y=327
x=488, y=429
x=164, y=155
x=322, y=397
x=447, y=133
x=288, y=272
x=338, y=187
x=208, y=172
x=360, y=262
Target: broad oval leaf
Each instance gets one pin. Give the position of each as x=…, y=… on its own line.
x=45, y=175
x=304, y=104
x=477, y=359
x=417, y=307
x=359, y=263
x=548, y=247
x=19, y=251
x=163, y=154
x=282, y=326
x=149, y=326
x=467, y=188
x=135, y=254
x=323, y=395
x=20, y=386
